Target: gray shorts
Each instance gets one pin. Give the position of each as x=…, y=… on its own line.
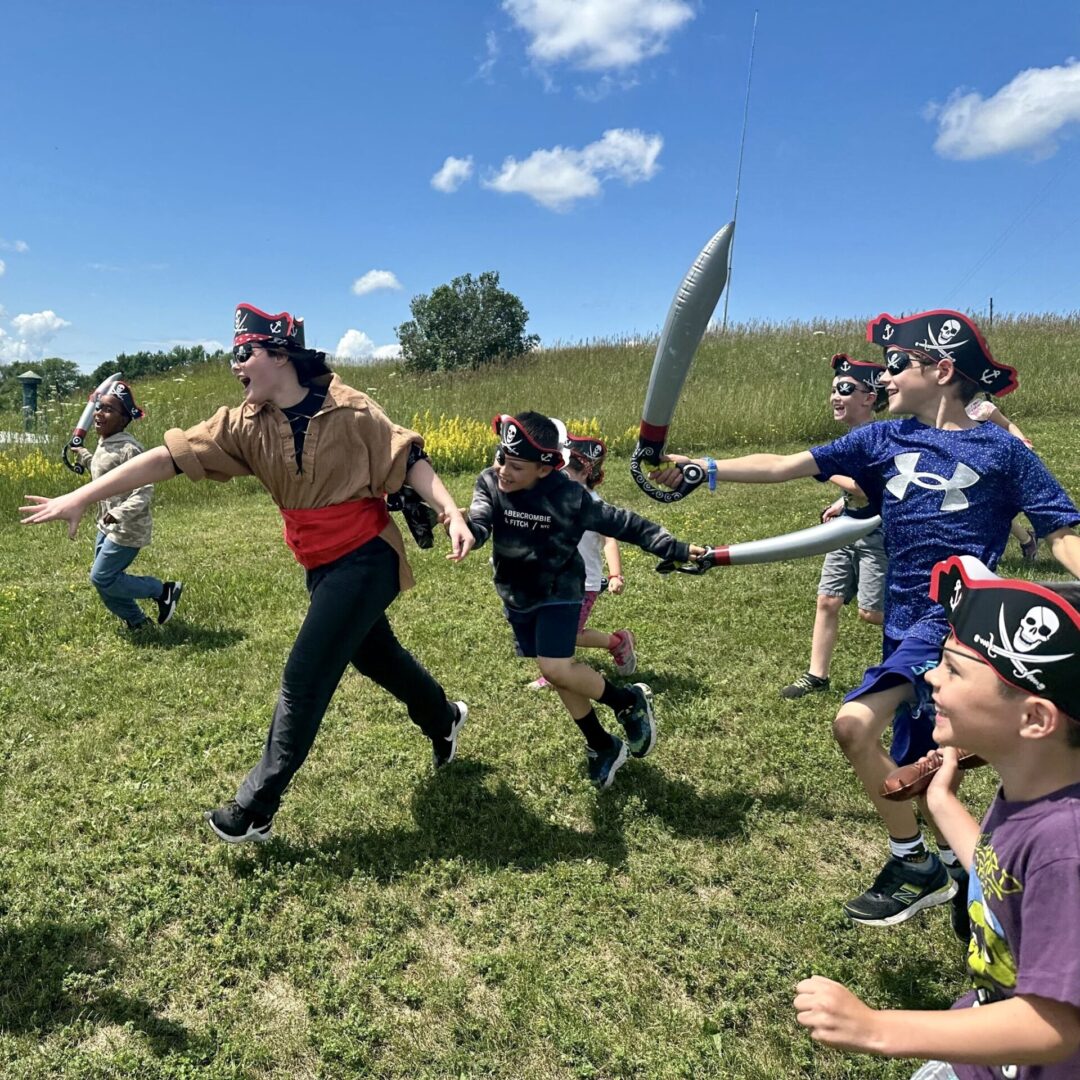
x=858, y=569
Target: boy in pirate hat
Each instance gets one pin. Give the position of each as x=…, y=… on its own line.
x=946, y=485
x=1008, y=689
x=536, y=515
x=124, y=525
x=858, y=569
x=327, y=455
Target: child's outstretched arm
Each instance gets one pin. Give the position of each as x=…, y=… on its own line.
x=750, y=469
x=480, y=515
x=1024, y=1030
x=152, y=467
x=621, y=524
x=424, y=480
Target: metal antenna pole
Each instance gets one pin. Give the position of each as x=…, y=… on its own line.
x=738, y=175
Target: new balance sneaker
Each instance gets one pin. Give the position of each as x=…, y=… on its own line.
x=900, y=891
x=803, y=685
x=443, y=748
x=235, y=825
x=639, y=722
x=167, y=601
x=958, y=913
x=604, y=764
x=622, y=652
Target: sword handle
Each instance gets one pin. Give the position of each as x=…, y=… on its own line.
x=650, y=451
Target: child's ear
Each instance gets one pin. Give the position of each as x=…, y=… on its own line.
x=542, y=471
x=1041, y=719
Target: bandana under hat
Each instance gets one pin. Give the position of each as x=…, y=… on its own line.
x=251, y=324
x=860, y=370
x=590, y=452
x=1028, y=634
x=946, y=335
x=515, y=442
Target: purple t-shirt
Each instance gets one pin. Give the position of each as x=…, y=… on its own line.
x=1024, y=903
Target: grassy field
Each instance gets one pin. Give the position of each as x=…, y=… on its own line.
x=501, y=919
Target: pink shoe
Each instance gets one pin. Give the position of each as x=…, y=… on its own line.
x=622, y=653
x=539, y=684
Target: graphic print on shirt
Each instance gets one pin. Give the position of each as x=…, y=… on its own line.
x=907, y=466
x=990, y=960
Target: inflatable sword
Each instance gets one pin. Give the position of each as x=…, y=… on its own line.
x=815, y=540
x=78, y=436
x=686, y=322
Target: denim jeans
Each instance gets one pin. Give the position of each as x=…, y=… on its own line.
x=119, y=590
x=345, y=623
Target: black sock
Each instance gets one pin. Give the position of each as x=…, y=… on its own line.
x=616, y=697
x=595, y=735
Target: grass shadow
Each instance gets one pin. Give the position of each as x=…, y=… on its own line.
x=905, y=984
x=199, y=638
x=57, y=973
x=458, y=816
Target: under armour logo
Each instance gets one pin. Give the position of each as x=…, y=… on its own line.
x=907, y=474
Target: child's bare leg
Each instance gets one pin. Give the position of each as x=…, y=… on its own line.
x=578, y=684
x=858, y=728
x=876, y=618
x=826, y=627
x=593, y=639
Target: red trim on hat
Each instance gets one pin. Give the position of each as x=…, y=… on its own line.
x=502, y=418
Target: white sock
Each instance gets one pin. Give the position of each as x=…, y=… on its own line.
x=911, y=850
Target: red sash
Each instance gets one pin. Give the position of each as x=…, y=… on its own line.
x=320, y=536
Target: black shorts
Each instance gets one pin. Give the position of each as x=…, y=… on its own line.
x=549, y=630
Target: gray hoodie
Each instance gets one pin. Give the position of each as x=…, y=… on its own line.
x=131, y=512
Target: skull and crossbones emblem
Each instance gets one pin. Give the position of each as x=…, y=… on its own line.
x=1035, y=629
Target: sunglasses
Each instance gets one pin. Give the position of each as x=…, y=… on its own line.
x=897, y=360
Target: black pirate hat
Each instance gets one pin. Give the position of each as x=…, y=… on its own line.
x=590, y=453
x=122, y=392
x=945, y=335
x=1028, y=633
x=516, y=442
x=252, y=325
x=860, y=370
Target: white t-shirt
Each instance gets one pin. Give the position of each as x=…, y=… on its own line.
x=591, y=548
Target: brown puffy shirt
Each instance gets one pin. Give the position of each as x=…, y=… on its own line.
x=351, y=451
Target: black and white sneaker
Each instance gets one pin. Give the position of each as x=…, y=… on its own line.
x=639, y=721
x=803, y=685
x=167, y=601
x=899, y=891
x=235, y=825
x=443, y=748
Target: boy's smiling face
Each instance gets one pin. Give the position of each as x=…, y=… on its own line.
x=854, y=408
x=914, y=388
x=513, y=474
x=109, y=416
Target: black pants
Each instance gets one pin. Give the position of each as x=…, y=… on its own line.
x=344, y=624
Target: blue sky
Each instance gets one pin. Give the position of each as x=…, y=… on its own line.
x=163, y=161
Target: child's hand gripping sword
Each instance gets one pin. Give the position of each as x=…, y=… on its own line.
x=86, y=418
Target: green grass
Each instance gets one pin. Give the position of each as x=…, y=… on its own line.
x=500, y=919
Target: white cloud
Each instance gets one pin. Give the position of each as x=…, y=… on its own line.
x=491, y=49
x=375, y=279
x=20, y=246
x=454, y=172
x=387, y=352
x=557, y=178
x=598, y=35
x=3, y=267
x=356, y=345
x=33, y=333
x=1024, y=114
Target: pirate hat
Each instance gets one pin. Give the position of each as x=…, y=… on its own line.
x=516, y=442
x=945, y=335
x=122, y=392
x=251, y=324
x=860, y=370
x=590, y=453
x=1028, y=633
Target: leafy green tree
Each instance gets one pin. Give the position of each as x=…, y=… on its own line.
x=58, y=379
x=466, y=324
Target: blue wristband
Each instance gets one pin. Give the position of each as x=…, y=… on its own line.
x=710, y=469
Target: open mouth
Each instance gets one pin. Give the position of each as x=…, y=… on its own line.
x=245, y=382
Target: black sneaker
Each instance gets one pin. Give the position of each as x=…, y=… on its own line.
x=602, y=765
x=235, y=825
x=958, y=914
x=167, y=601
x=803, y=685
x=443, y=748
x=899, y=891
x=639, y=722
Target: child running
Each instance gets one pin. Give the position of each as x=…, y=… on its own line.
x=327, y=455
x=124, y=525
x=857, y=570
x=536, y=516
x=1007, y=689
x=946, y=485
x=586, y=466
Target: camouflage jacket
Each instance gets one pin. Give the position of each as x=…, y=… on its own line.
x=536, y=532
x=131, y=525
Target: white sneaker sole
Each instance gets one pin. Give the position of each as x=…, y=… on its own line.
x=616, y=765
x=648, y=749
x=455, y=730
x=941, y=896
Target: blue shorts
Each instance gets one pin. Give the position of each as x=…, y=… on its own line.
x=548, y=630
x=905, y=661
